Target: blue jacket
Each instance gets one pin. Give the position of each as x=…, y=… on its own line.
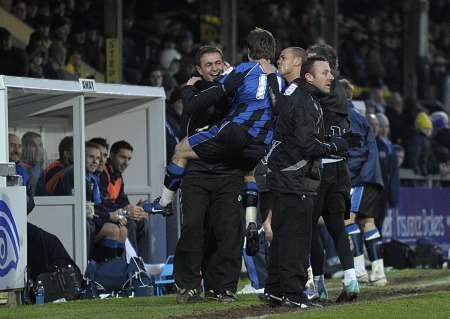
x=389, y=171
x=363, y=162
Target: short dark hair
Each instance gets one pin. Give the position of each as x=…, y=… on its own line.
x=324, y=50
x=99, y=141
x=205, y=50
x=308, y=65
x=298, y=52
x=66, y=144
x=117, y=146
x=261, y=44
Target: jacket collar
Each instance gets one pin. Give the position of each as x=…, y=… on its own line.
x=311, y=89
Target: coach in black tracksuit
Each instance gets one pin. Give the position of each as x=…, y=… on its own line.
x=293, y=177
x=210, y=246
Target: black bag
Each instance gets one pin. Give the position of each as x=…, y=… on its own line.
x=428, y=254
x=64, y=282
x=398, y=255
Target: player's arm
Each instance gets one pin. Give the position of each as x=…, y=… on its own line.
x=307, y=137
x=194, y=101
x=277, y=98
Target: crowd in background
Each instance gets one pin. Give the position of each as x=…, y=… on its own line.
x=159, y=43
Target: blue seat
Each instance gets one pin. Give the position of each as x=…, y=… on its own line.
x=165, y=277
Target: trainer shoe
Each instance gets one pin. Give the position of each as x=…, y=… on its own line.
x=188, y=296
x=322, y=292
x=252, y=240
x=310, y=290
x=248, y=289
x=349, y=292
x=155, y=208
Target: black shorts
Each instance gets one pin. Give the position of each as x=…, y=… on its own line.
x=364, y=200
x=227, y=142
x=333, y=194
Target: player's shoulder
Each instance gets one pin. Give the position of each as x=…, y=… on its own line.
x=252, y=67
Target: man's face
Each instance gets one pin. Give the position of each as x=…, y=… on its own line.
x=400, y=157
x=121, y=159
x=37, y=149
x=92, y=159
x=373, y=121
x=211, y=66
x=287, y=61
x=321, y=77
x=103, y=158
x=15, y=148
x=156, y=78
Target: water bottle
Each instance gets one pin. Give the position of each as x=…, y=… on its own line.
x=40, y=293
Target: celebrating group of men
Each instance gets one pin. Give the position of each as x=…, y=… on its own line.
x=293, y=122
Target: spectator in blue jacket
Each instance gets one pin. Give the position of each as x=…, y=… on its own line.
x=389, y=167
x=366, y=184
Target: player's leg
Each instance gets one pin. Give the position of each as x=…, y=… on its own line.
x=250, y=205
x=373, y=241
x=356, y=236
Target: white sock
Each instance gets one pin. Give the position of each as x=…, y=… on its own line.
x=250, y=215
x=310, y=273
x=360, y=267
x=319, y=278
x=166, y=196
x=349, y=276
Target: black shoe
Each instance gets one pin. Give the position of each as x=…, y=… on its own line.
x=188, y=296
x=226, y=296
x=252, y=240
x=270, y=299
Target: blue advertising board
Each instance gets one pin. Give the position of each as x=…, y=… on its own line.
x=421, y=212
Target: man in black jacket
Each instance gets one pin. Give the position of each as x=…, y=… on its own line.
x=333, y=196
x=210, y=245
x=293, y=177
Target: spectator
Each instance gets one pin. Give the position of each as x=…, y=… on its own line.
x=32, y=9
x=32, y=157
x=49, y=180
x=20, y=10
x=169, y=53
x=418, y=145
x=389, y=168
x=60, y=29
x=394, y=111
x=55, y=67
x=14, y=60
x=400, y=153
x=42, y=25
x=74, y=65
x=15, y=151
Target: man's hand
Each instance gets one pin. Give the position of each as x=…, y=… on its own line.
x=136, y=212
x=193, y=80
x=353, y=139
x=233, y=81
x=340, y=145
x=118, y=218
x=267, y=67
